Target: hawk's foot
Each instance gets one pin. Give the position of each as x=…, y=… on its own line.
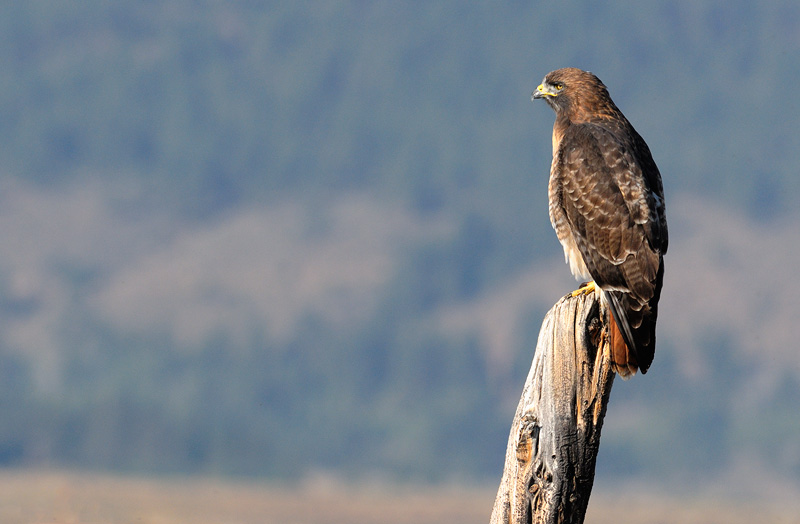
x=585, y=289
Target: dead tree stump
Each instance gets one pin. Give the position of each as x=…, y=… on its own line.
x=555, y=435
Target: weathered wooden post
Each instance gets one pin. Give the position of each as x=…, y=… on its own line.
x=555, y=435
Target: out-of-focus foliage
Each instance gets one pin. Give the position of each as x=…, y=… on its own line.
x=264, y=238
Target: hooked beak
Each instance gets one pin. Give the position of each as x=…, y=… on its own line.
x=541, y=92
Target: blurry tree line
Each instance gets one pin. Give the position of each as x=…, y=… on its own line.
x=206, y=107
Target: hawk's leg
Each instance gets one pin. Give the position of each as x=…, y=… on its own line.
x=585, y=289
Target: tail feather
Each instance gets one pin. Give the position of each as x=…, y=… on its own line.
x=620, y=318
x=623, y=361
x=632, y=327
x=632, y=322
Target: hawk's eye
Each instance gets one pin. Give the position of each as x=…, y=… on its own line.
x=559, y=87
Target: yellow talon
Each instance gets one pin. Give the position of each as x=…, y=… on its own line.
x=585, y=289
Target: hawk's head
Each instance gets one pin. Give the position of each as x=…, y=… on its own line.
x=572, y=91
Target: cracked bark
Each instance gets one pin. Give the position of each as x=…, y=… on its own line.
x=555, y=434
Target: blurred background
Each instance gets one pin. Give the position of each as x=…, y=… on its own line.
x=294, y=239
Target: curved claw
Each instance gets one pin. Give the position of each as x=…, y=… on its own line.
x=585, y=289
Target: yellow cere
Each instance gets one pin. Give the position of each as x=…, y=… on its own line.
x=543, y=92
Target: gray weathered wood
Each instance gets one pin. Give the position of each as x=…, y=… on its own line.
x=555, y=434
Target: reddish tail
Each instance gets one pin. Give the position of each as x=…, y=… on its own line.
x=623, y=361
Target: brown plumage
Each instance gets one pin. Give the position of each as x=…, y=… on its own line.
x=607, y=207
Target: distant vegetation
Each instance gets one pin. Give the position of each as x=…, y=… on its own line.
x=388, y=159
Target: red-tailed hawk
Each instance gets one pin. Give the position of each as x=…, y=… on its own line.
x=607, y=207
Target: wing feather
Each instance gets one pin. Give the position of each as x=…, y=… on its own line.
x=604, y=205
